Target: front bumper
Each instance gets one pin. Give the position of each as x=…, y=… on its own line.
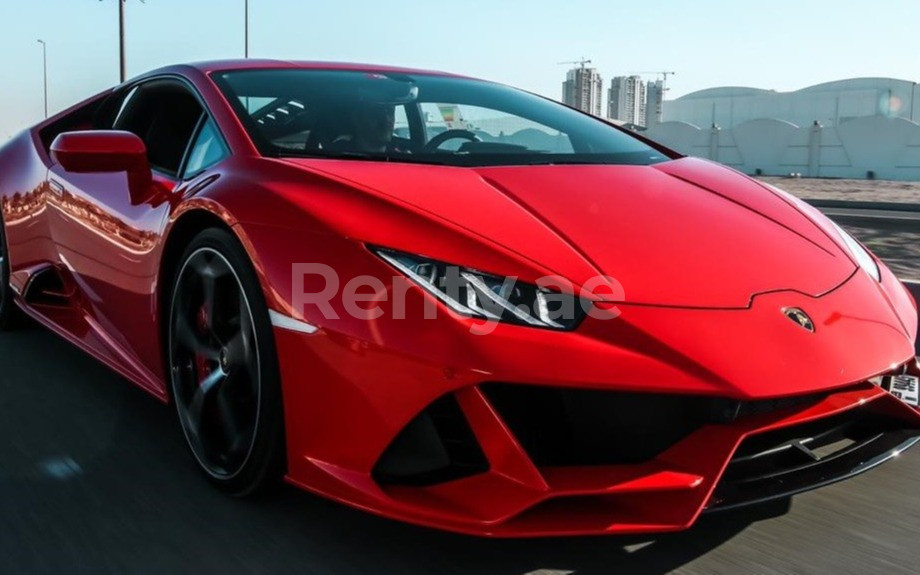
x=352, y=394
x=521, y=493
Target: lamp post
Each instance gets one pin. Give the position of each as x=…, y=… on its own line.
x=45, y=72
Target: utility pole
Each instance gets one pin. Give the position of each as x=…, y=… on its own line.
x=45, y=72
x=123, y=74
x=122, y=63
x=246, y=49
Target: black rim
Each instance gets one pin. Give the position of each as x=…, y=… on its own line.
x=214, y=363
x=4, y=280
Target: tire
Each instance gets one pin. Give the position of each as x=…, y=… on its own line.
x=223, y=366
x=9, y=313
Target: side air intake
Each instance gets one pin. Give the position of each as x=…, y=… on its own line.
x=437, y=446
x=47, y=288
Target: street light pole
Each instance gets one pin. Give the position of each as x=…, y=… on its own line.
x=45, y=72
x=246, y=48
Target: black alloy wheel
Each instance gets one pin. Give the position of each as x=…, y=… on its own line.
x=223, y=365
x=8, y=311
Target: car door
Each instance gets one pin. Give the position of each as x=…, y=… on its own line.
x=108, y=233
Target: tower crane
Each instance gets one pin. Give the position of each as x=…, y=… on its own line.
x=664, y=77
x=581, y=62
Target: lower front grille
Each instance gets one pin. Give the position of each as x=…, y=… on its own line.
x=766, y=406
x=791, y=460
x=575, y=427
x=583, y=427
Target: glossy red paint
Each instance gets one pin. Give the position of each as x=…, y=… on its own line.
x=614, y=226
x=708, y=259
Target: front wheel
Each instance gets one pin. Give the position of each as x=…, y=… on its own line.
x=223, y=366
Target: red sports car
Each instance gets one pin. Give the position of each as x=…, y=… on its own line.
x=453, y=303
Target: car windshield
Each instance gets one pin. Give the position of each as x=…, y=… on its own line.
x=419, y=118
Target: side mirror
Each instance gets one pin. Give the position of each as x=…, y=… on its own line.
x=106, y=151
x=100, y=151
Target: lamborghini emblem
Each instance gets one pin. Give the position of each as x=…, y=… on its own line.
x=800, y=317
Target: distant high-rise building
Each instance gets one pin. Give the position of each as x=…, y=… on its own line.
x=583, y=89
x=655, y=101
x=626, y=100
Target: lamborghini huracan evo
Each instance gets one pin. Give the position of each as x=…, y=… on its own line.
x=453, y=303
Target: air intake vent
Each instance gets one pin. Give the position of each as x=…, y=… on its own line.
x=573, y=427
x=564, y=427
x=47, y=288
x=437, y=446
x=795, y=459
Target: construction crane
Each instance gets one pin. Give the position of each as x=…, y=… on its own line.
x=664, y=77
x=581, y=62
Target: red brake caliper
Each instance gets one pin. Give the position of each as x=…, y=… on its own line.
x=202, y=321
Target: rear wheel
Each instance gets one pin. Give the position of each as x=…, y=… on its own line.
x=8, y=311
x=223, y=365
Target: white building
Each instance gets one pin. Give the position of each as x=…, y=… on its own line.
x=830, y=104
x=859, y=128
x=626, y=100
x=583, y=89
x=654, y=102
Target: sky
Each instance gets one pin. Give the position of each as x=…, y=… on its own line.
x=780, y=44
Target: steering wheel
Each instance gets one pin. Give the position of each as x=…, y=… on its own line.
x=436, y=142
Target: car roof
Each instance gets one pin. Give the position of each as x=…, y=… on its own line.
x=211, y=66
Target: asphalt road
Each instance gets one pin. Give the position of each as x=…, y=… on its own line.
x=893, y=236
x=95, y=478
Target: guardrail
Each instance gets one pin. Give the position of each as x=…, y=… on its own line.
x=906, y=215
x=860, y=205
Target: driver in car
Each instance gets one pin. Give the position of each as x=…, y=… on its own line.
x=371, y=129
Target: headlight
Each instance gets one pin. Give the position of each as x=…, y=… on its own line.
x=863, y=257
x=487, y=296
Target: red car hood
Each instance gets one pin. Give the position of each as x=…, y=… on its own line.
x=685, y=233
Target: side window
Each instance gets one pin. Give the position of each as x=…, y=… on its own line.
x=164, y=114
x=117, y=108
x=208, y=149
x=80, y=119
